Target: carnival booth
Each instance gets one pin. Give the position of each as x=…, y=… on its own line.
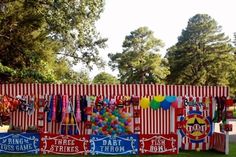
x=111, y=119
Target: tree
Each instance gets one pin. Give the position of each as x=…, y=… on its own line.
x=139, y=61
x=82, y=77
x=202, y=55
x=234, y=41
x=232, y=77
x=105, y=78
x=65, y=74
x=36, y=34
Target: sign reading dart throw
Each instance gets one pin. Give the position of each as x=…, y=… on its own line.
x=114, y=145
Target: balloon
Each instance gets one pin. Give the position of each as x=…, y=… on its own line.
x=129, y=119
x=144, y=103
x=95, y=110
x=122, y=120
x=111, y=121
x=96, y=119
x=159, y=98
x=93, y=127
x=170, y=98
x=123, y=115
x=155, y=105
x=165, y=105
x=113, y=117
x=175, y=104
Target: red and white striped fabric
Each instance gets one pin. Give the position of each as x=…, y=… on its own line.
x=218, y=142
x=152, y=122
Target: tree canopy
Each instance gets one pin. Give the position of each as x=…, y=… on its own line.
x=203, y=54
x=105, y=78
x=139, y=62
x=232, y=76
x=36, y=36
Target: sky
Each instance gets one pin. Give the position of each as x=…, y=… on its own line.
x=166, y=18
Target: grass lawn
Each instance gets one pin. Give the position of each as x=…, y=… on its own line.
x=181, y=154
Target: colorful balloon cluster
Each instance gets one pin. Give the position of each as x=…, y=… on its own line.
x=159, y=101
x=110, y=120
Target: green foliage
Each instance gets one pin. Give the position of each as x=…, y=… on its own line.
x=65, y=74
x=232, y=76
x=6, y=72
x=83, y=77
x=105, y=78
x=139, y=61
x=234, y=40
x=35, y=35
x=203, y=54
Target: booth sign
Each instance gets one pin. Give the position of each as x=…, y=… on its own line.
x=158, y=144
x=19, y=143
x=114, y=145
x=64, y=144
x=196, y=127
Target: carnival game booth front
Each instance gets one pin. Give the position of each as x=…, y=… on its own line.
x=108, y=119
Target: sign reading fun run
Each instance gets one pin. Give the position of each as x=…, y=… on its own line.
x=19, y=143
x=114, y=145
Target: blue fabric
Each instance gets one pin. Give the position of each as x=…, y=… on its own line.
x=49, y=115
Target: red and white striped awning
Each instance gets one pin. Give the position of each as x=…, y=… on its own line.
x=112, y=90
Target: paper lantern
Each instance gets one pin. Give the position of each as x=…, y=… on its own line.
x=159, y=98
x=144, y=103
x=170, y=98
x=155, y=105
x=165, y=105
